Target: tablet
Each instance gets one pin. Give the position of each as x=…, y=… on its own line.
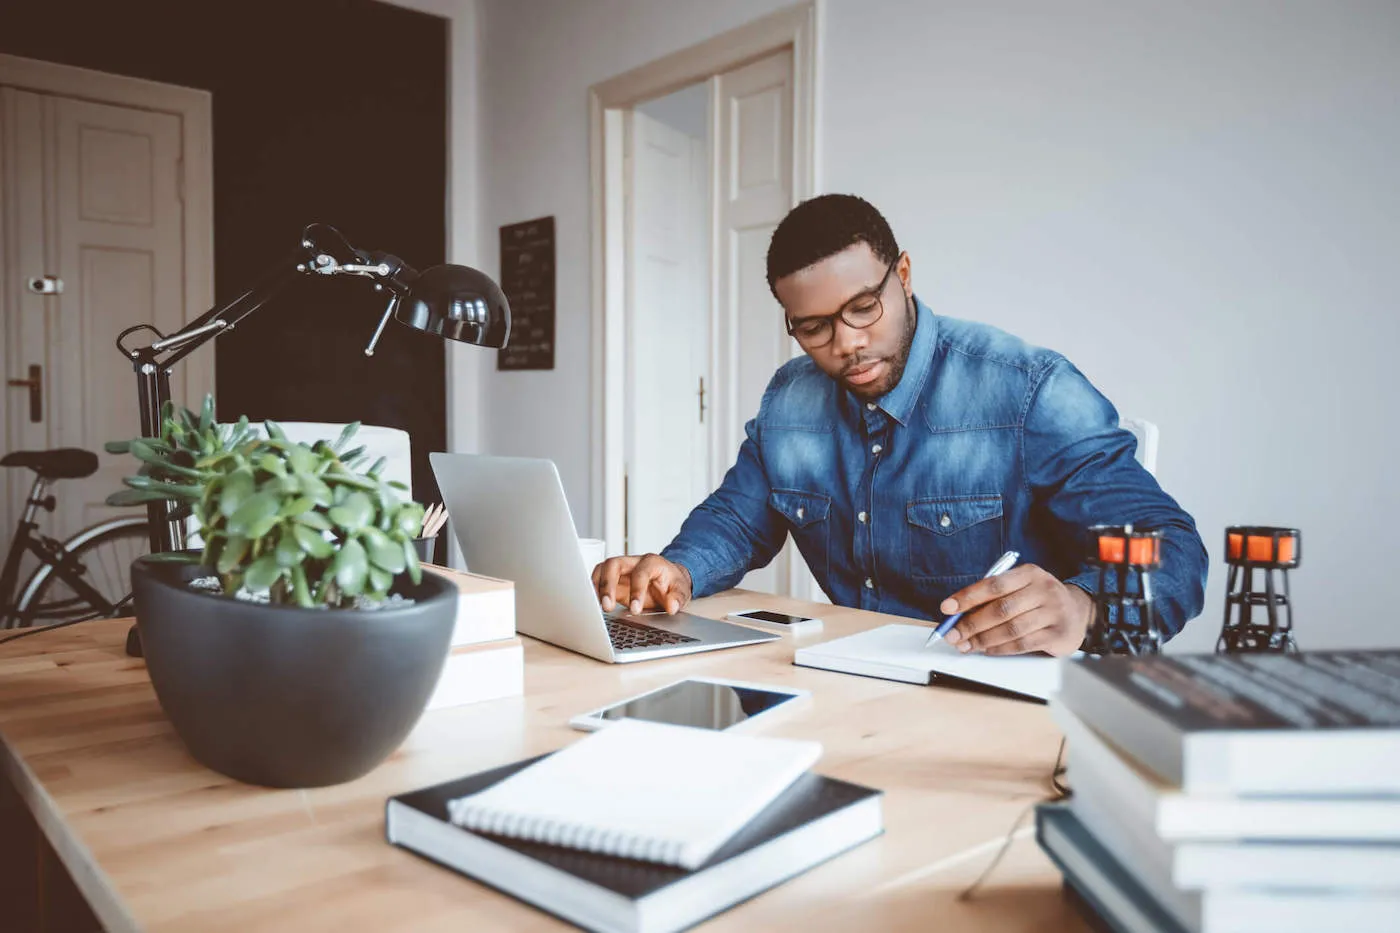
x=702, y=702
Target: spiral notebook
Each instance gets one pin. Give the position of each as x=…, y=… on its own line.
x=660, y=793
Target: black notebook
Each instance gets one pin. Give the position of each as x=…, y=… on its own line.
x=815, y=819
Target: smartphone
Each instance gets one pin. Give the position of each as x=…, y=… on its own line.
x=776, y=621
x=702, y=703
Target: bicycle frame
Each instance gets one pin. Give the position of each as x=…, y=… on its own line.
x=50, y=553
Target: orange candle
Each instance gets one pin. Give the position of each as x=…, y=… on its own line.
x=1111, y=549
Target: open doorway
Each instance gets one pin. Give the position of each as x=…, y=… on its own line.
x=686, y=333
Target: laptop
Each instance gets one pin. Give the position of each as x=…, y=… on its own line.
x=512, y=521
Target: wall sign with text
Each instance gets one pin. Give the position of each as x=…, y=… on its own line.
x=527, y=278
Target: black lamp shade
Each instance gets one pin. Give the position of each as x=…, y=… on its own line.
x=459, y=303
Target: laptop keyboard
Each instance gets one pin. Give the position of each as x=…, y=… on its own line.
x=625, y=635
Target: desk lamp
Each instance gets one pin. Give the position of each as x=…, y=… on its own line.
x=1125, y=618
x=450, y=301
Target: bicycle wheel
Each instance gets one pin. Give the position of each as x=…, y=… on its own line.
x=104, y=554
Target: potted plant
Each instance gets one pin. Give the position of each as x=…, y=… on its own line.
x=299, y=644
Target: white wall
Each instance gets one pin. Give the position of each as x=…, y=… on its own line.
x=1197, y=202
x=539, y=59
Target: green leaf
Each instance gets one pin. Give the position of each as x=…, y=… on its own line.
x=262, y=573
x=273, y=464
x=301, y=458
x=125, y=497
x=383, y=551
x=356, y=512
x=315, y=520
x=289, y=550
x=234, y=552
x=316, y=488
x=378, y=465
x=237, y=488
x=301, y=592
x=274, y=431
x=256, y=510
x=262, y=526
x=380, y=581
x=398, y=484
x=312, y=543
x=206, y=416
x=164, y=490
x=351, y=568
x=347, y=433
x=415, y=570
x=294, y=507
x=117, y=447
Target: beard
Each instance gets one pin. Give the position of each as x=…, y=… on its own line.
x=895, y=363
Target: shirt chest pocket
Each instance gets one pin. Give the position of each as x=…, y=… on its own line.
x=955, y=536
x=806, y=514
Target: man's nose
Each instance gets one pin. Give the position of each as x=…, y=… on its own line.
x=847, y=340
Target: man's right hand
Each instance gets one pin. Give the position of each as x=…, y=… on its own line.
x=646, y=582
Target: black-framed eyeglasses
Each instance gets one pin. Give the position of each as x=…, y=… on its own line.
x=859, y=312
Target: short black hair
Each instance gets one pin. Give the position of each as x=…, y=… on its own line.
x=823, y=226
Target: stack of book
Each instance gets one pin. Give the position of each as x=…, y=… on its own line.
x=641, y=827
x=1232, y=792
x=487, y=658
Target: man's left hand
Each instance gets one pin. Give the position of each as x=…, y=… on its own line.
x=1025, y=609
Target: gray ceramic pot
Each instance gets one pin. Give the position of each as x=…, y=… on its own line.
x=283, y=696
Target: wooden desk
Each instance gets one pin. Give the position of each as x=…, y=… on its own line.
x=154, y=841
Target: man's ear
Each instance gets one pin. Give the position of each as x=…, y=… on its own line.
x=902, y=270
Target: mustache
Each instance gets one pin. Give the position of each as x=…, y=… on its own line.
x=858, y=364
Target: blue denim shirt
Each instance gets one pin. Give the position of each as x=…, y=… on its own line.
x=986, y=444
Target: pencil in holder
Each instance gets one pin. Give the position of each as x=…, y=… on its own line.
x=1125, y=618
x=1259, y=614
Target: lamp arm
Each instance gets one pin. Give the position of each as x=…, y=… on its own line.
x=323, y=251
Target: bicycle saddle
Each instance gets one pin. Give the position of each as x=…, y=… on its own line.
x=63, y=463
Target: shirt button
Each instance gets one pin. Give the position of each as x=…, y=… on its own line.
x=944, y=521
x=869, y=583
x=876, y=448
x=801, y=511
x=861, y=517
x=871, y=406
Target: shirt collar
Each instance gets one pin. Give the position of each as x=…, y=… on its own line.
x=899, y=402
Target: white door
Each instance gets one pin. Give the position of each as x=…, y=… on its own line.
x=92, y=198
x=667, y=330
x=754, y=190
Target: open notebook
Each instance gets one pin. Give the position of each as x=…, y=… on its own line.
x=897, y=652
x=642, y=790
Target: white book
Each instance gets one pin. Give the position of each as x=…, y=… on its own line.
x=1174, y=814
x=475, y=673
x=1319, y=722
x=643, y=790
x=898, y=652
x=485, y=606
x=1237, y=865
x=1133, y=898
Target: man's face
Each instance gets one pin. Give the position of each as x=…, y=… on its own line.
x=866, y=360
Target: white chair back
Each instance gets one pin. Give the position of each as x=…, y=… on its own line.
x=1146, y=434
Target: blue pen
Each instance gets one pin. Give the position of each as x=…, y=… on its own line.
x=1004, y=563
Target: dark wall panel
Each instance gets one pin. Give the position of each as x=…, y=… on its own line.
x=330, y=111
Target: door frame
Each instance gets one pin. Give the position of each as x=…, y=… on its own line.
x=794, y=28
x=194, y=108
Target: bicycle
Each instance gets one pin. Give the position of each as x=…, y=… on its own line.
x=87, y=575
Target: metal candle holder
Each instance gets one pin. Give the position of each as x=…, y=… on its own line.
x=1270, y=551
x=1125, y=619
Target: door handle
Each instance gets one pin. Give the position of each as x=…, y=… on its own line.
x=35, y=385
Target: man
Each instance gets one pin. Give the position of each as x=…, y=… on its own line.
x=907, y=451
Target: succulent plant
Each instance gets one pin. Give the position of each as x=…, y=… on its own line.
x=303, y=524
